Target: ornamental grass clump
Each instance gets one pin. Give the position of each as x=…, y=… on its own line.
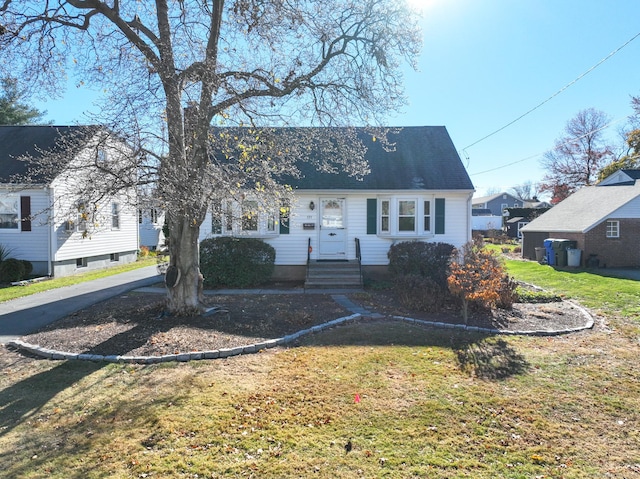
x=477, y=276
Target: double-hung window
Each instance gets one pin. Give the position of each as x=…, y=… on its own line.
x=115, y=216
x=385, y=216
x=406, y=216
x=243, y=218
x=426, y=215
x=9, y=211
x=83, y=216
x=250, y=216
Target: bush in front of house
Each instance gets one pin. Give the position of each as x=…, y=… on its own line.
x=236, y=262
x=420, y=293
x=419, y=272
x=430, y=260
x=12, y=270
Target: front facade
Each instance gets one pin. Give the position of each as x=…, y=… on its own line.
x=419, y=192
x=603, y=220
x=44, y=222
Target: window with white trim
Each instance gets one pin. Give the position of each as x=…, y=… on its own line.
x=9, y=211
x=83, y=216
x=426, y=213
x=385, y=214
x=613, y=229
x=406, y=216
x=115, y=216
x=250, y=215
x=247, y=218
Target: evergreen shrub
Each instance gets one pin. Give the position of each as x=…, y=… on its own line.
x=11, y=270
x=236, y=262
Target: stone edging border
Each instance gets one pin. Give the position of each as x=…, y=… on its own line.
x=272, y=343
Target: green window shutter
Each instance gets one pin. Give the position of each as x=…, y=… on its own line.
x=25, y=213
x=439, y=216
x=372, y=216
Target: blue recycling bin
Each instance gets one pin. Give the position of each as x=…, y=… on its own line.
x=551, y=254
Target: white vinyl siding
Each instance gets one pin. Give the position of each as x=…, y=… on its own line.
x=32, y=245
x=292, y=248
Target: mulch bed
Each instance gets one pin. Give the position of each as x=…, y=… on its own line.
x=133, y=324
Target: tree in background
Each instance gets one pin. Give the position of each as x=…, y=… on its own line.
x=630, y=160
x=232, y=63
x=577, y=157
x=527, y=191
x=12, y=109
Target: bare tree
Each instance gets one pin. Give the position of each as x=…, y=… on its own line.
x=526, y=191
x=578, y=156
x=235, y=63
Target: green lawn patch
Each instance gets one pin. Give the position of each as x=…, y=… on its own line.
x=12, y=292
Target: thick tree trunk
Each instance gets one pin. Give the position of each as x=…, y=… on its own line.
x=184, y=282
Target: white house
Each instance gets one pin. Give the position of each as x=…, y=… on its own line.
x=42, y=219
x=150, y=223
x=418, y=192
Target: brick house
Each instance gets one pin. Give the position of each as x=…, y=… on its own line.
x=604, y=220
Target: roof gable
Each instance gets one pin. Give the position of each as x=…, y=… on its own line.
x=481, y=200
x=584, y=209
x=35, y=142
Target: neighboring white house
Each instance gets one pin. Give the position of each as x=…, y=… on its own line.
x=150, y=223
x=42, y=219
x=420, y=191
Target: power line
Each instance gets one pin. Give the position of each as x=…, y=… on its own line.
x=569, y=140
x=554, y=95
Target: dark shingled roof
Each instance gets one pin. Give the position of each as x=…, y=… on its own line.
x=424, y=159
x=17, y=141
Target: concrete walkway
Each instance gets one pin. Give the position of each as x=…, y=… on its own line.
x=23, y=315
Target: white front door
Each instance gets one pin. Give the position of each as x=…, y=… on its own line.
x=333, y=232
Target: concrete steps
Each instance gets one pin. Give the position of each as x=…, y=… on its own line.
x=333, y=275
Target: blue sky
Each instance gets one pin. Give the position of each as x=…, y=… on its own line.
x=487, y=62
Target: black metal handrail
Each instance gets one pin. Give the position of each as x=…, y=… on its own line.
x=359, y=256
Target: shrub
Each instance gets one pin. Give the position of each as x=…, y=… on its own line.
x=236, y=262
x=11, y=270
x=429, y=260
x=5, y=251
x=507, y=294
x=419, y=293
x=28, y=268
x=526, y=295
x=476, y=277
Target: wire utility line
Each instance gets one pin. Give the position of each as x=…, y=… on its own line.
x=554, y=95
x=569, y=140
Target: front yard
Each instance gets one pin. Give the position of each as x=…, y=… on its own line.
x=411, y=402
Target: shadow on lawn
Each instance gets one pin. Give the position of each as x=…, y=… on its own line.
x=490, y=358
x=486, y=357
x=23, y=401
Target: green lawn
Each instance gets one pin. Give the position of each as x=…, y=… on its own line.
x=592, y=288
x=12, y=292
x=414, y=403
